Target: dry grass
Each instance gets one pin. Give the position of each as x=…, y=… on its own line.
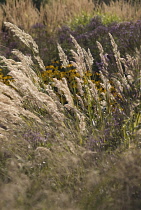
x=53, y=15
x=44, y=158
x=58, y=12
x=61, y=11
x=124, y=10
x=21, y=13
x=34, y=94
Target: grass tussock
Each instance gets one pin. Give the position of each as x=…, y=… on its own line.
x=70, y=137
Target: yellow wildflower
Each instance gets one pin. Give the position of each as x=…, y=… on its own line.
x=49, y=71
x=50, y=67
x=88, y=74
x=70, y=65
x=72, y=71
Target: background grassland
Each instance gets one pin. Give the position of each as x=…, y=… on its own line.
x=70, y=129
x=47, y=25
x=55, y=13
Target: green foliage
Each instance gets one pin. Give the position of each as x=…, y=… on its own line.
x=109, y=18
x=82, y=19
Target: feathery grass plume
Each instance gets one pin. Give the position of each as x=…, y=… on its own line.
x=83, y=60
x=80, y=101
x=11, y=104
x=83, y=63
x=21, y=79
x=62, y=56
x=54, y=96
x=129, y=75
x=10, y=94
x=135, y=64
x=85, y=93
x=28, y=41
x=29, y=89
x=130, y=63
x=127, y=85
x=80, y=83
x=116, y=54
x=82, y=123
x=88, y=96
x=121, y=74
x=63, y=89
x=107, y=87
x=127, y=64
x=24, y=37
x=26, y=65
x=103, y=59
x=88, y=59
x=118, y=86
x=40, y=62
x=104, y=74
x=94, y=91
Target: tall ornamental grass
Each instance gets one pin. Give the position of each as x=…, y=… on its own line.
x=88, y=104
x=66, y=142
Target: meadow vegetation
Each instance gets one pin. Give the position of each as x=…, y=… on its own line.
x=70, y=98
